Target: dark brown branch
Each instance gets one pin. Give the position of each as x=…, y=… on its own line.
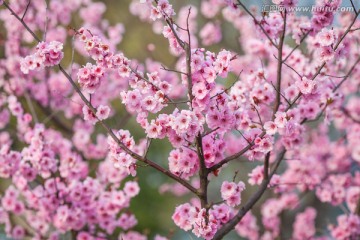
x=128, y=151
x=226, y=228
x=172, y=70
x=22, y=21
x=355, y=29
x=287, y=101
x=348, y=114
x=297, y=46
x=353, y=5
x=234, y=156
x=26, y=9
x=347, y=75
x=203, y=173
x=266, y=166
x=357, y=210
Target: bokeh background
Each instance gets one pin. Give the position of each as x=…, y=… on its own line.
x=153, y=209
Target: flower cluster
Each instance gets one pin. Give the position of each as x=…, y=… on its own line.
x=203, y=225
x=289, y=110
x=47, y=54
x=230, y=193
x=149, y=95
x=183, y=162
x=119, y=153
x=73, y=200
x=307, y=218
x=348, y=227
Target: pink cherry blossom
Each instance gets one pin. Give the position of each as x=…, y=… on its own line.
x=305, y=85
x=274, y=104
x=102, y=112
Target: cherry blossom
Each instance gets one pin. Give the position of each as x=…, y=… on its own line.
x=275, y=107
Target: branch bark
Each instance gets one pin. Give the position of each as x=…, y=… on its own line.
x=226, y=228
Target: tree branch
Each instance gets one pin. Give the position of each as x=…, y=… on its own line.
x=324, y=63
x=234, y=156
x=347, y=75
x=279, y=68
x=297, y=46
x=257, y=22
x=226, y=228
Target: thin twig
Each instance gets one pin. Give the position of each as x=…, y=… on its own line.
x=149, y=82
x=324, y=63
x=26, y=9
x=290, y=67
x=46, y=20
x=171, y=70
x=227, y=89
x=297, y=46
x=279, y=68
x=353, y=5
x=348, y=114
x=257, y=22
x=234, y=156
x=31, y=107
x=347, y=75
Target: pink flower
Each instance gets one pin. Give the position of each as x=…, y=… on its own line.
x=84, y=236
x=210, y=34
x=131, y=189
x=280, y=119
x=153, y=130
x=270, y=128
x=325, y=54
x=89, y=115
x=305, y=85
x=326, y=37
x=18, y=232
x=155, y=13
x=230, y=192
x=222, y=63
x=184, y=216
x=165, y=7
x=149, y=103
x=102, y=112
x=46, y=55
x=291, y=92
x=209, y=74
x=256, y=176
x=199, y=90
x=352, y=198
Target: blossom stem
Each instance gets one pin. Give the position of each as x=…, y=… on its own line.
x=257, y=23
